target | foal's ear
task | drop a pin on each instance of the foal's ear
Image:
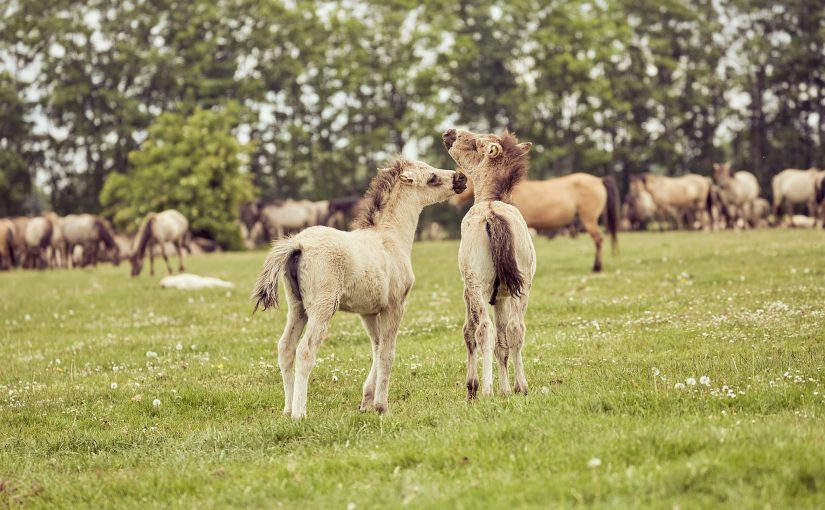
(525, 147)
(493, 150)
(406, 177)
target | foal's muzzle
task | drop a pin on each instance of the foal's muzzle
(459, 182)
(448, 138)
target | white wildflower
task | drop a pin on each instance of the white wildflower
(704, 380)
(679, 386)
(691, 381)
(656, 372)
(156, 402)
(179, 347)
(545, 390)
(594, 462)
(151, 354)
(113, 385)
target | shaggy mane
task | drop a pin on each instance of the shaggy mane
(376, 196)
(512, 167)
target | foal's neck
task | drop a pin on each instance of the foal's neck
(399, 221)
(484, 182)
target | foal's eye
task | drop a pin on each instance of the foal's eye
(434, 180)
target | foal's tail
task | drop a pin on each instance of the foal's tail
(504, 256)
(612, 213)
(283, 257)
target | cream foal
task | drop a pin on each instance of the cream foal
(367, 271)
(496, 256)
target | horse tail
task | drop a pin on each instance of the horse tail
(504, 256)
(46, 239)
(820, 191)
(10, 245)
(612, 213)
(144, 234)
(283, 258)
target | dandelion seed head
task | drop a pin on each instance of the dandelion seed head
(156, 402)
(594, 462)
(704, 380)
(691, 381)
(679, 386)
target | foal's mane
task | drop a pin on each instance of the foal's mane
(144, 234)
(511, 168)
(378, 193)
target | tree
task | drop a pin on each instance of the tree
(189, 163)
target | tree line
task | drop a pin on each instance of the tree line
(320, 93)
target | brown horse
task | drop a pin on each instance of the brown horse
(89, 231)
(168, 226)
(7, 234)
(556, 203)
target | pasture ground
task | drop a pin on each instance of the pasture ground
(83, 355)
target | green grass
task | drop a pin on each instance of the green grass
(745, 309)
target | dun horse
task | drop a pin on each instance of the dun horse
(690, 194)
(7, 234)
(168, 226)
(556, 203)
(43, 239)
(738, 192)
(367, 271)
(496, 256)
(792, 187)
(89, 231)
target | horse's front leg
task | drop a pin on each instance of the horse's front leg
(179, 249)
(388, 322)
(165, 258)
(371, 325)
(151, 259)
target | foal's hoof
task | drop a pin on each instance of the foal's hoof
(521, 389)
(472, 389)
(381, 408)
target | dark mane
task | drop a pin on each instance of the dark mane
(144, 235)
(512, 167)
(375, 199)
(104, 232)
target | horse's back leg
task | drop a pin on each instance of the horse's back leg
(592, 227)
(368, 391)
(318, 319)
(179, 249)
(516, 332)
(151, 248)
(296, 320)
(503, 312)
(478, 334)
(165, 257)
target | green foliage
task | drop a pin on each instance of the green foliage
(744, 309)
(15, 180)
(189, 163)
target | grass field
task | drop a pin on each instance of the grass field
(84, 354)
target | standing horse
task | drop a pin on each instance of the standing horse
(791, 187)
(89, 231)
(555, 203)
(7, 235)
(168, 226)
(20, 223)
(496, 256)
(689, 194)
(40, 240)
(367, 271)
(641, 208)
(737, 193)
(290, 217)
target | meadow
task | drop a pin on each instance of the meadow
(688, 375)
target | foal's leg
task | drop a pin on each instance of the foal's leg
(371, 325)
(151, 258)
(503, 312)
(592, 227)
(516, 332)
(295, 321)
(318, 320)
(388, 322)
(470, 324)
(179, 249)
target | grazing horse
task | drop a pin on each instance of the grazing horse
(290, 217)
(89, 231)
(40, 236)
(367, 271)
(168, 226)
(737, 193)
(641, 208)
(556, 203)
(792, 187)
(7, 235)
(689, 193)
(496, 256)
